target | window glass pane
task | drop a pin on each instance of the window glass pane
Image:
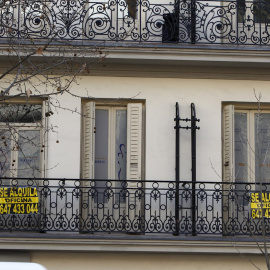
(29, 153)
(101, 144)
(262, 145)
(101, 151)
(20, 113)
(240, 146)
(241, 11)
(257, 11)
(120, 145)
(5, 152)
(120, 152)
(261, 11)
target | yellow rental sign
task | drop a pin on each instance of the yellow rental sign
(19, 200)
(260, 205)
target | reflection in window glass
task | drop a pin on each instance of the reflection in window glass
(241, 11)
(120, 153)
(101, 152)
(257, 11)
(240, 146)
(121, 144)
(20, 140)
(261, 11)
(110, 158)
(241, 155)
(5, 152)
(262, 145)
(20, 113)
(28, 153)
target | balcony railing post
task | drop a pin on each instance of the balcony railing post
(193, 21)
(19, 16)
(193, 164)
(177, 167)
(193, 129)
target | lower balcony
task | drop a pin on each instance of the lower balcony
(140, 208)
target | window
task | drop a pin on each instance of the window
(111, 156)
(253, 12)
(246, 142)
(253, 18)
(22, 143)
(246, 159)
(112, 141)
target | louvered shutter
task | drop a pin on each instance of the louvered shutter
(134, 166)
(228, 168)
(88, 159)
(134, 141)
(228, 144)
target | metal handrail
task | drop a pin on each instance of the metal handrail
(205, 22)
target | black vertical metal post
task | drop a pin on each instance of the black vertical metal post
(193, 128)
(193, 165)
(193, 21)
(177, 167)
(177, 10)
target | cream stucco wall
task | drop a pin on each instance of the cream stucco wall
(160, 95)
(119, 261)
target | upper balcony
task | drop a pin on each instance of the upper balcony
(153, 23)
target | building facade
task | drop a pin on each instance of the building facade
(155, 157)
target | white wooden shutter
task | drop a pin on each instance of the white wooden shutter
(228, 144)
(134, 141)
(228, 167)
(88, 159)
(134, 166)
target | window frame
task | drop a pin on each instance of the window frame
(251, 109)
(115, 103)
(41, 125)
(111, 136)
(13, 170)
(135, 161)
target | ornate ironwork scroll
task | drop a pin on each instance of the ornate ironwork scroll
(238, 22)
(68, 205)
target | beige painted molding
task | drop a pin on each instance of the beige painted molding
(152, 52)
(183, 72)
(175, 71)
(188, 54)
(190, 62)
(167, 55)
(117, 245)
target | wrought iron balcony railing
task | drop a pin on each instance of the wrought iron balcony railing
(226, 22)
(89, 206)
